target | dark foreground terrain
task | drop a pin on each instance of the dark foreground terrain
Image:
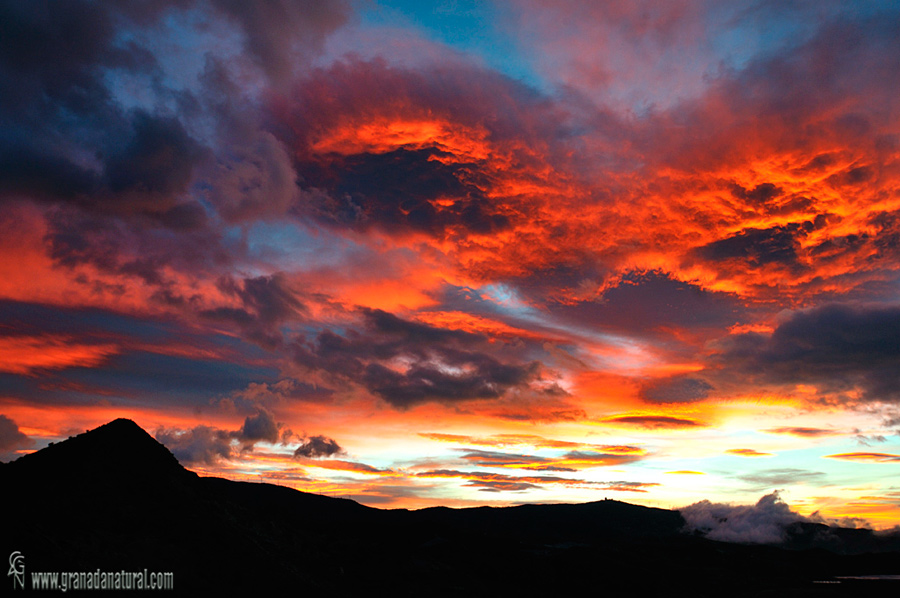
(114, 498)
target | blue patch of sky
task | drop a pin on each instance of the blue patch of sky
(291, 246)
(469, 26)
(767, 29)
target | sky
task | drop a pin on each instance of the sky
(462, 253)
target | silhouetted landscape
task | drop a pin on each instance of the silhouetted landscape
(114, 498)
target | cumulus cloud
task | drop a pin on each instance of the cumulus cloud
(259, 427)
(762, 523)
(318, 446)
(203, 445)
(206, 445)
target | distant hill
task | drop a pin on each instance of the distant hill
(114, 498)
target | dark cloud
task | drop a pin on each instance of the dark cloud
(65, 137)
(396, 191)
(266, 302)
(759, 247)
(649, 301)
(675, 389)
(439, 364)
(318, 446)
(759, 194)
(11, 439)
(259, 427)
(473, 376)
(767, 479)
(804, 432)
(836, 348)
(157, 161)
(73, 134)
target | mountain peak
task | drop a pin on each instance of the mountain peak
(120, 448)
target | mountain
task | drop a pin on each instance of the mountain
(115, 499)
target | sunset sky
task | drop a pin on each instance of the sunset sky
(462, 253)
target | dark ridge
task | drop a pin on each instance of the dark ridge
(803, 535)
(115, 499)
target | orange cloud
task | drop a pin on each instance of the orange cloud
(867, 457)
(570, 461)
(654, 422)
(745, 452)
(351, 466)
(30, 355)
(501, 482)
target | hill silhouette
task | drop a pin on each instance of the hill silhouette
(114, 498)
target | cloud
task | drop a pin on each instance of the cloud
(496, 482)
(745, 452)
(407, 363)
(207, 445)
(498, 459)
(278, 34)
(570, 461)
(867, 457)
(804, 432)
(836, 347)
(762, 523)
(351, 466)
(502, 440)
(11, 438)
(318, 446)
(675, 389)
(265, 303)
(758, 247)
(31, 355)
(202, 445)
(447, 151)
(772, 478)
(259, 427)
(654, 422)
(255, 181)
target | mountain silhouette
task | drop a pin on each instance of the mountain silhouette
(115, 499)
